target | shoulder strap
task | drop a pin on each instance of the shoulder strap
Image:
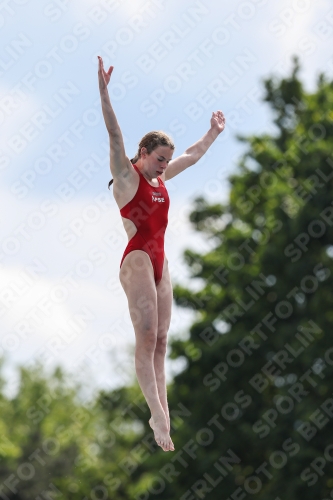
(136, 168)
(160, 181)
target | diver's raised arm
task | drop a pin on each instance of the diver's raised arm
(119, 163)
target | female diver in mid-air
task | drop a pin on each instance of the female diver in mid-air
(140, 192)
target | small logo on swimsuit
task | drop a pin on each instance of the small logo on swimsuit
(154, 198)
(156, 194)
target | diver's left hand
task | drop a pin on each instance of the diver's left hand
(217, 121)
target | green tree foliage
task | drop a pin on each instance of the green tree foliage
(251, 412)
(263, 383)
(54, 445)
(258, 376)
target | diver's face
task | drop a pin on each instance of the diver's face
(157, 161)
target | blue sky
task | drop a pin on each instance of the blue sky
(62, 237)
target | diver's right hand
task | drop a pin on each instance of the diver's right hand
(103, 76)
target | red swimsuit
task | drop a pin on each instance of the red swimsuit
(149, 212)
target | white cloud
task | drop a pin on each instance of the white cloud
(290, 30)
(88, 284)
(103, 10)
(16, 108)
(100, 290)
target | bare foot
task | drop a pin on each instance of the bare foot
(161, 434)
(168, 422)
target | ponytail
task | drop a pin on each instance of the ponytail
(133, 161)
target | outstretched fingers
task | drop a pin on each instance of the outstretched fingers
(218, 120)
(219, 115)
(100, 63)
(105, 75)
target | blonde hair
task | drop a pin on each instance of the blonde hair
(151, 141)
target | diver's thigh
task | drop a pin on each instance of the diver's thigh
(135, 264)
(164, 301)
(137, 279)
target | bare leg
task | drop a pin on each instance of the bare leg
(162, 392)
(145, 369)
(136, 276)
(159, 359)
(164, 306)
